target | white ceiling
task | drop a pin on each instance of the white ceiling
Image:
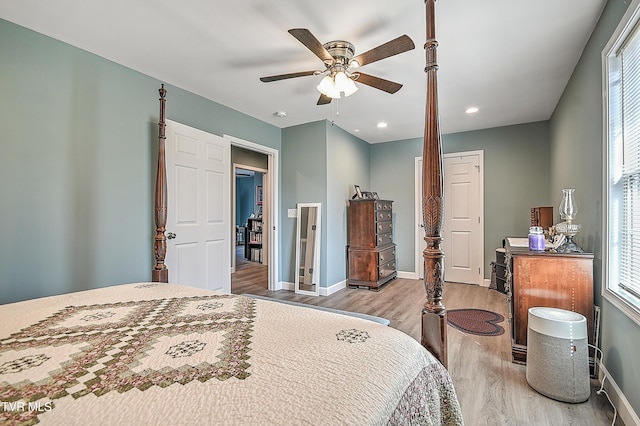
(512, 59)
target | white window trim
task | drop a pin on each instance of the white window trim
(625, 302)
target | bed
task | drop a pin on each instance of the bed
(152, 353)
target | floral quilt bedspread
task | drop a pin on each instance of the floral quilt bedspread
(149, 353)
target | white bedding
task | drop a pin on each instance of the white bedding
(150, 353)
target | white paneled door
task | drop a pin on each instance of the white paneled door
(462, 232)
(198, 222)
(462, 227)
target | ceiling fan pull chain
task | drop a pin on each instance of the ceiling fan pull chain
(334, 111)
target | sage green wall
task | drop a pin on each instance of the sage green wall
(320, 163)
(304, 180)
(516, 178)
(392, 176)
(577, 144)
(347, 165)
(78, 164)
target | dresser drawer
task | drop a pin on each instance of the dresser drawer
(383, 215)
(386, 255)
(386, 269)
(384, 228)
(384, 239)
(382, 205)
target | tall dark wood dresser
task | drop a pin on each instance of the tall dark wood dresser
(371, 253)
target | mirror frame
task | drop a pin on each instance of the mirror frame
(316, 249)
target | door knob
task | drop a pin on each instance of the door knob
(170, 235)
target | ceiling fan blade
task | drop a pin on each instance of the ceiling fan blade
(323, 100)
(378, 83)
(285, 76)
(305, 37)
(394, 47)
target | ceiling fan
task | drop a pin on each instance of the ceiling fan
(340, 65)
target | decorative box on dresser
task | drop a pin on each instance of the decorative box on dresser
(557, 280)
(372, 253)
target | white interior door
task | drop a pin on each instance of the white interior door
(462, 220)
(198, 169)
(463, 232)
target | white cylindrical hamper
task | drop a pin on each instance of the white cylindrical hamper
(557, 354)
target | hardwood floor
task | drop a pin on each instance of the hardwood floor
(491, 389)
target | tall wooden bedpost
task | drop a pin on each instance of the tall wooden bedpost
(160, 272)
(434, 314)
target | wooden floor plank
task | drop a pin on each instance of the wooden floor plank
(491, 389)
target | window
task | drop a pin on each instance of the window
(621, 60)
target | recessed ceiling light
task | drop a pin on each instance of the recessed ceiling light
(356, 130)
(382, 125)
(472, 110)
(280, 114)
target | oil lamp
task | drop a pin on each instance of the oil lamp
(568, 211)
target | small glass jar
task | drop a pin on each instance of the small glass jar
(536, 238)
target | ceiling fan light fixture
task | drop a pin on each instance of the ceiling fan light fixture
(344, 84)
(328, 87)
(351, 88)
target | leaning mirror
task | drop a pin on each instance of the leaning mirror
(307, 274)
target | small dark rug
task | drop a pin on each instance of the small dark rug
(476, 321)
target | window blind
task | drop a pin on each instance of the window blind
(629, 215)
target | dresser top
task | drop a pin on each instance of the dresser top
(370, 200)
(519, 250)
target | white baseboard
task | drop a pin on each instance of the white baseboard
(625, 410)
(328, 291)
(287, 286)
(408, 275)
(324, 291)
(486, 283)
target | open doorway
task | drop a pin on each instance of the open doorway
(250, 218)
(252, 213)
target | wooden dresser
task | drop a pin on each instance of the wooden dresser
(557, 280)
(371, 253)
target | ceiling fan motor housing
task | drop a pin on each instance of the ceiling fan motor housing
(342, 51)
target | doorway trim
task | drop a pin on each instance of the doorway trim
(271, 193)
(418, 211)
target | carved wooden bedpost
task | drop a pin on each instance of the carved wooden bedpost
(434, 314)
(160, 272)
